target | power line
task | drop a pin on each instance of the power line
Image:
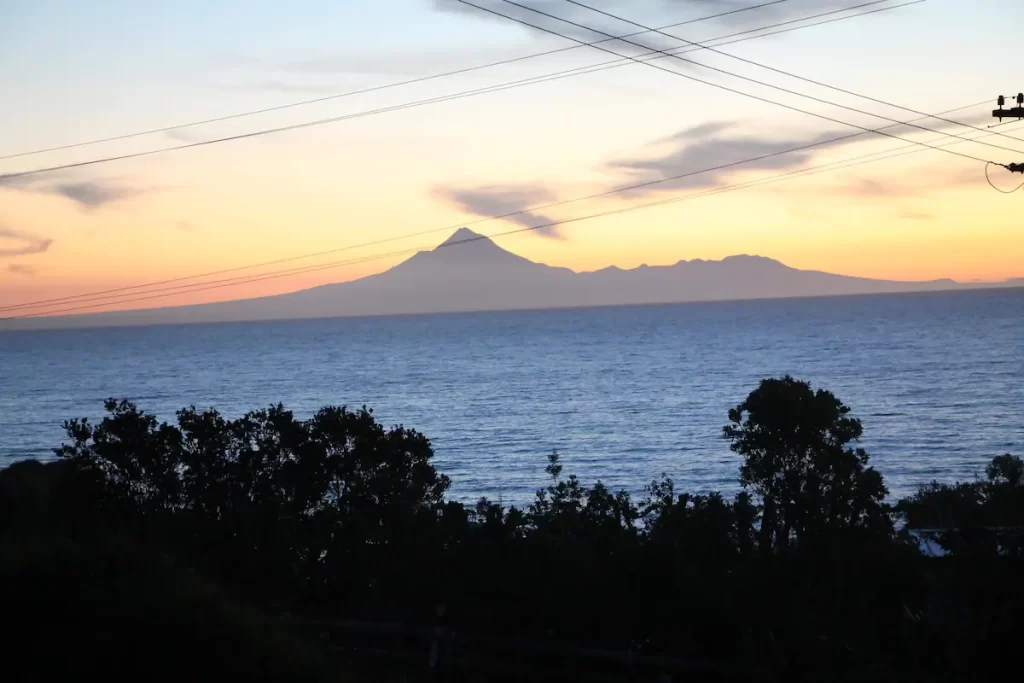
(996, 187)
(115, 292)
(621, 61)
(865, 159)
(556, 76)
(363, 91)
(788, 91)
(782, 71)
(308, 269)
(320, 267)
(86, 296)
(814, 170)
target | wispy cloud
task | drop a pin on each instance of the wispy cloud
(394, 61)
(712, 144)
(321, 73)
(499, 200)
(553, 7)
(917, 216)
(185, 135)
(965, 125)
(24, 243)
(691, 150)
(871, 187)
(909, 185)
(92, 194)
(400, 62)
(634, 9)
(87, 194)
(21, 269)
(16, 182)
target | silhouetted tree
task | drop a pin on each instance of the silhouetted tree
(337, 516)
(270, 500)
(794, 444)
(977, 518)
(1005, 470)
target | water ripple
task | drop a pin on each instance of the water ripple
(624, 394)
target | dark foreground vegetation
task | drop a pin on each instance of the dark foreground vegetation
(157, 551)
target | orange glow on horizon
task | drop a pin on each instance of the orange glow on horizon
(199, 219)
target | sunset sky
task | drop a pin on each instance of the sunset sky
(73, 71)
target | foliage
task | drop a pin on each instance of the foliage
(980, 517)
(794, 444)
(266, 498)
(337, 516)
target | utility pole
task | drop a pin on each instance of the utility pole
(1014, 112)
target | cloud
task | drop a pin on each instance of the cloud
(966, 177)
(701, 130)
(21, 269)
(707, 145)
(555, 7)
(980, 119)
(183, 134)
(957, 124)
(87, 194)
(917, 216)
(499, 200)
(395, 61)
(710, 145)
(635, 10)
(16, 182)
(24, 243)
(910, 185)
(91, 193)
(400, 62)
(869, 187)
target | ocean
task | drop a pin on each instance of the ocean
(624, 394)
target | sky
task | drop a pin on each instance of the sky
(73, 72)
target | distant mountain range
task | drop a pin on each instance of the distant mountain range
(469, 272)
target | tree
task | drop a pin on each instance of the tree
(1006, 470)
(568, 510)
(266, 499)
(977, 517)
(794, 443)
(131, 459)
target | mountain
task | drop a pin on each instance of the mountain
(469, 272)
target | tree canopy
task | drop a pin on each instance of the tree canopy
(794, 442)
(337, 516)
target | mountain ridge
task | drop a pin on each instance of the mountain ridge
(480, 275)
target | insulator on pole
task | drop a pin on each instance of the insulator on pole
(1013, 113)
